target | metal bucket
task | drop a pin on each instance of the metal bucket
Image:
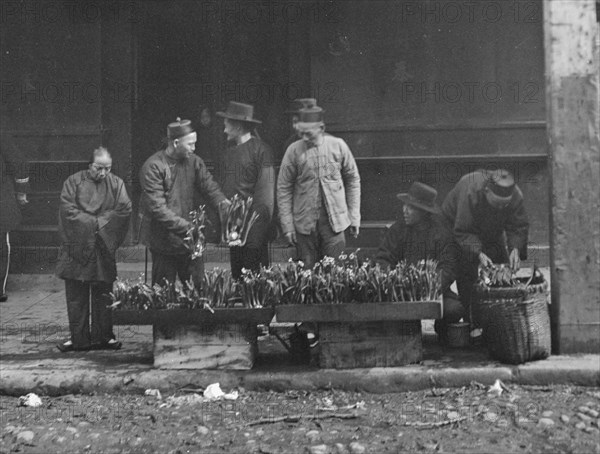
(458, 334)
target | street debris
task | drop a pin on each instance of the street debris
(30, 400)
(464, 419)
(214, 392)
(153, 392)
(25, 437)
(545, 422)
(203, 430)
(318, 449)
(298, 417)
(357, 448)
(178, 401)
(497, 388)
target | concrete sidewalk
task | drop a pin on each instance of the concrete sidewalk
(34, 320)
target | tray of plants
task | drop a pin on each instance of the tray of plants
(220, 299)
(345, 291)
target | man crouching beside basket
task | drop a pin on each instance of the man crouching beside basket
(421, 235)
(487, 214)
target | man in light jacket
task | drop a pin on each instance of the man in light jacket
(318, 191)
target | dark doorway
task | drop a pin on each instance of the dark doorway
(191, 56)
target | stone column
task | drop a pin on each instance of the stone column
(572, 67)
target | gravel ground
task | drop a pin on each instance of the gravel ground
(467, 420)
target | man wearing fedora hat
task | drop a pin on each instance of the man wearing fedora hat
(318, 191)
(248, 172)
(168, 179)
(421, 235)
(487, 214)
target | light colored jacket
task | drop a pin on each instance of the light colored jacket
(330, 166)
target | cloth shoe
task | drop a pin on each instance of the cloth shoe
(69, 347)
(112, 344)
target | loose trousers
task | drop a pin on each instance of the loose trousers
(255, 253)
(170, 267)
(4, 259)
(79, 296)
(321, 242)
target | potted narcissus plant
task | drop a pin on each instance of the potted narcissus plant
(346, 290)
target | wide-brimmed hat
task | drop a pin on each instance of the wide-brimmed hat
(240, 112)
(301, 103)
(179, 128)
(501, 184)
(421, 196)
(310, 117)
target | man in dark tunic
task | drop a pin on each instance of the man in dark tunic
(487, 214)
(14, 185)
(168, 179)
(248, 172)
(422, 234)
(93, 220)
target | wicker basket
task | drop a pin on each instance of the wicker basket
(515, 322)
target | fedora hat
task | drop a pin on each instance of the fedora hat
(421, 196)
(301, 103)
(240, 112)
(179, 128)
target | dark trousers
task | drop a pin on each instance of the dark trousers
(321, 242)
(453, 312)
(255, 253)
(4, 259)
(249, 257)
(78, 307)
(169, 267)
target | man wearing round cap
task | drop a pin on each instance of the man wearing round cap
(487, 214)
(422, 235)
(294, 112)
(168, 179)
(248, 172)
(318, 191)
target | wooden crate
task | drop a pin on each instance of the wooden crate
(230, 346)
(369, 344)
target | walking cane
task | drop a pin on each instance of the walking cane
(145, 265)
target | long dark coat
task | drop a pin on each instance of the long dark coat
(168, 197)
(15, 178)
(478, 227)
(93, 221)
(429, 240)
